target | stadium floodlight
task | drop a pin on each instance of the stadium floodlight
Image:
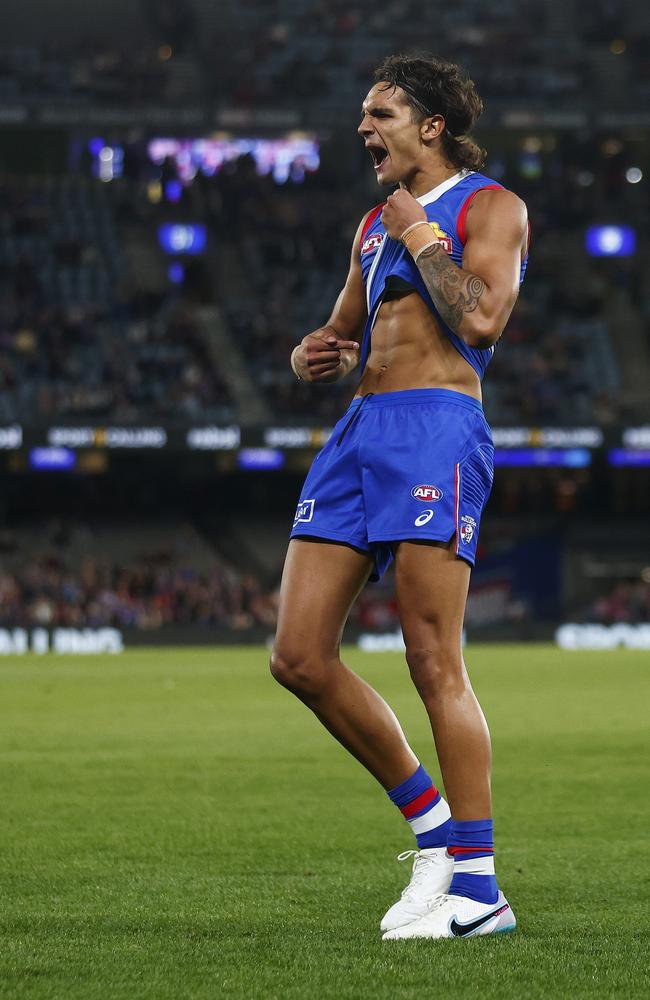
(633, 175)
(182, 238)
(610, 241)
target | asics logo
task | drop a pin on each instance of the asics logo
(464, 930)
(423, 518)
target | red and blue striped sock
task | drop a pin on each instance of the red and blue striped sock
(471, 845)
(423, 806)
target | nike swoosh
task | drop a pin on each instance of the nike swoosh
(462, 930)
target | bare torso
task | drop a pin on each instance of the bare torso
(410, 351)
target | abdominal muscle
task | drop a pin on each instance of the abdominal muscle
(411, 351)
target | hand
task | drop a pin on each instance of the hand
(320, 355)
(401, 211)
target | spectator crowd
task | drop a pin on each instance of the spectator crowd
(144, 595)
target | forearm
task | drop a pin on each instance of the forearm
(461, 298)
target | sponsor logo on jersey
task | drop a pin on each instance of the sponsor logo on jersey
(424, 518)
(304, 511)
(426, 493)
(442, 236)
(372, 242)
(467, 528)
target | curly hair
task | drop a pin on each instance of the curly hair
(435, 87)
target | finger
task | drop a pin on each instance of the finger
(323, 370)
(347, 345)
(323, 357)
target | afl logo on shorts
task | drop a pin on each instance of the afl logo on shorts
(427, 494)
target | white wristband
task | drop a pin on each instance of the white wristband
(414, 225)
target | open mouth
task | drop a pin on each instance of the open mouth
(379, 154)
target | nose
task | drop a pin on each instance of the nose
(366, 127)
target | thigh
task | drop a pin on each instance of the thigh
(320, 582)
(432, 585)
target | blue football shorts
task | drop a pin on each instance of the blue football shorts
(416, 464)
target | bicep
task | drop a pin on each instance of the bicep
(496, 233)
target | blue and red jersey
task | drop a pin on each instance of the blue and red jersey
(382, 257)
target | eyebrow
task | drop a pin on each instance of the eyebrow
(373, 108)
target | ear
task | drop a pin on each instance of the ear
(431, 128)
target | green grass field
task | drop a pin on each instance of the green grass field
(175, 825)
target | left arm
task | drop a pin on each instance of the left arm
(475, 300)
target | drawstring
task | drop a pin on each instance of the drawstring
(353, 417)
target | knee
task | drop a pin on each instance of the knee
(437, 669)
(299, 672)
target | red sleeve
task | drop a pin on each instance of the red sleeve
(372, 215)
(462, 215)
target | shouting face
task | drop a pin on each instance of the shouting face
(394, 138)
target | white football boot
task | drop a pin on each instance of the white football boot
(430, 878)
(457, 916)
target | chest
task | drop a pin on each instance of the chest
(380, 252)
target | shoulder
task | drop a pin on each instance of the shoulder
(490, 206)
(489, 200)
(368, 220)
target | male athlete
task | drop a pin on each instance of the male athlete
(434, 274)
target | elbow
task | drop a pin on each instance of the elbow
(483, 332)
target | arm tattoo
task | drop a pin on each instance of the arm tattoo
(454, 291)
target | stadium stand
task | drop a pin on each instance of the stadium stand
(78, 339)
(61, 574)
(81, 255)
(93, 326)
(526, 54)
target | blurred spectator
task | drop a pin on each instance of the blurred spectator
(628, 601)
(146, 595)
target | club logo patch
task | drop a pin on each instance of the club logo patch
(441, 236)
(372, 242)
(426, 493)
(424, 518)
(304, 511)
(467, 528)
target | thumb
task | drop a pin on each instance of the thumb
(347, 345)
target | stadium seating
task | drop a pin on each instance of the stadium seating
(78, 338)
(129, 575)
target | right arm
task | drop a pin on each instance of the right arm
(331, 352)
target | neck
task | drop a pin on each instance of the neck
(424, 179)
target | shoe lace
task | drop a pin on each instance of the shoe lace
(421, 865)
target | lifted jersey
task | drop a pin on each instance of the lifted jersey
(382, 257)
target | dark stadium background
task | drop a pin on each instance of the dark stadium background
(174, 824)
(153, 439)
